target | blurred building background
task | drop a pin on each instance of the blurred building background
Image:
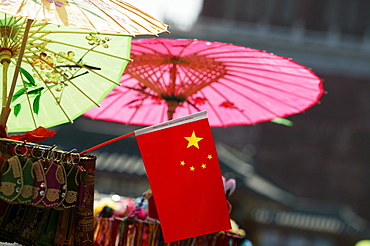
(305, 185)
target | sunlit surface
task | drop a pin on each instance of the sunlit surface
(182, 14)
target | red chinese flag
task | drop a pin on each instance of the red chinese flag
(181, 162)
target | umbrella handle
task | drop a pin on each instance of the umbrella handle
(5, 112)
(5, 79)
(6, 109)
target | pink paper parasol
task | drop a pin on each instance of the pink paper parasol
(236, 85)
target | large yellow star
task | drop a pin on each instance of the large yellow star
(193, 140)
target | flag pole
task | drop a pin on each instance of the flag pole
(107, 142)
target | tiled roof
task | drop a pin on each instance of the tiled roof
(116, 162)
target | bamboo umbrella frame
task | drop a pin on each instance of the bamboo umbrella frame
(10, 49)
(199, 74)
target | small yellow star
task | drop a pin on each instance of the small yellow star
(204, 166)
(182, 163)
(209, 156)
(192, 168)
(193, 140)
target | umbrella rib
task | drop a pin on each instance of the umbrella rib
(159, 72)
(13, 42)
(88, 19)
(140, 91)
(83, 93)
(237, 55)
(189, 106)
(136, 111)
(137, 23)
(147, 80)
(147, 73)
(240, 111)
(85, 32)
(155, 51)
(87, 49)
(244, 96)
(51, 92)
(30, 35)
(81, 66)
(136, 107)
(243, 54)
(289, 63)
(196, 72)
(186, 75)
(297, 67)
(141, 53)
(189, 74)
(274, 71)
(164, 46)
(28, 101)
(219, 45)
(264, 85)
(123, 27)
(140, 12)
(198, 68)
(293, 64)
(239, 49)
(131, 19)
(161, 79)
(164, 116)
(185, 46)
(39, 27)
(260, 92)
(201, 86)
(300, 85)
(140, 80)
(214, 110)
(146, 83)
(108, 106)
(68, 79)
(270, 56)
(190, 77)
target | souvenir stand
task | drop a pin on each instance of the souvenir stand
(134, 231)
(46, 195)
(47, 198)
(141, 226)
